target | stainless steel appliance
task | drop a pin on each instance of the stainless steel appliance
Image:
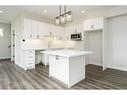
(76, 37)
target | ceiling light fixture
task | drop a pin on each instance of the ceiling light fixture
(64, 17)
(82, 12)
(45, 11)
(1, 11)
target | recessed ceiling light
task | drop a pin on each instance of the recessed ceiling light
(45, 11)
(82, 12)
(1, 11)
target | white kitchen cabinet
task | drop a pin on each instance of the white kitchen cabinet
(27, 33)
(93, 24)
(68, 32)
(59, 33)
(30, 29)
(28, 59)
(37, 30)
(34, 29)
(71, 30)
(45, 59)
(52, 30)
(43, 29)
(67, 66)
(60, 68)
(67, 70)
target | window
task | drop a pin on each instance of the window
(1, 32)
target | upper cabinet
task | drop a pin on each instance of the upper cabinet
(71, 30)
(37, 30)
(59, 33)
(34, 29)
(93, 24)
(30, 29)
(27, 33)
(43, 29)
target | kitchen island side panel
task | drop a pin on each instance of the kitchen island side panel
(76, 69)
(59, 68)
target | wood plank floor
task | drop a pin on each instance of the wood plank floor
(13, 77)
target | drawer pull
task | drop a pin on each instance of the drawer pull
(30, 51)
(30, 63)
(31, 57)
(92, 26)
(30, 35)
(57, 57)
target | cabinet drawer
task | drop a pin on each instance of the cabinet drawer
(30, 67)
(30, 52)
(29, 57)
(29, 63)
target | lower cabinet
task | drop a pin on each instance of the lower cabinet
(58, 68)
(68, 70)
(28, 59)
(45, 59)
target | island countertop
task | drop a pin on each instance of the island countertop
(66, 52)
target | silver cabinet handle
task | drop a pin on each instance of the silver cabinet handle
(30, 63)
(60, 38)
(67, 38)
(30, 56)
(50, 34)
(30, 35)
(92, 26)
(37, 36)
(57, 57)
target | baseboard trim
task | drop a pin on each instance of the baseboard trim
(118, 67)
(5, 59)
(94, 64)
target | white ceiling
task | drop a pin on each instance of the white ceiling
(10, 12)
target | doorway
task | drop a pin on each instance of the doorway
(94, 42)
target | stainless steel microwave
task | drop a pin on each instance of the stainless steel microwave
(76, 37)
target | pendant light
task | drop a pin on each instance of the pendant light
(69, 17)
(57, 22)
(63, 18)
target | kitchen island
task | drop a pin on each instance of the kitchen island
(67, 66)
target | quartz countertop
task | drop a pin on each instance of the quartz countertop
(66, 52)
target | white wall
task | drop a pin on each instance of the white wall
(117, 42)
(5, 40)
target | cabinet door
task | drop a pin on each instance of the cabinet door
(45, 59)
(59, 68)
(34, 29)
(88, 25)
(52, 30)
(29, 59)
(68, 31)
(93, 24)
(59, 33)
(98, 23)
(27, 34)
(43, 29)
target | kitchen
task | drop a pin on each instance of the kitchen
(32, 41)
(64, 52)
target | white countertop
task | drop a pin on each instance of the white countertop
(66, 52)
